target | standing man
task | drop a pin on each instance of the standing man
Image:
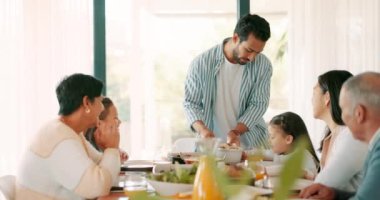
(360, 103)
(227, 88)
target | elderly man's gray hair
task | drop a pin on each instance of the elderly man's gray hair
(364, 89)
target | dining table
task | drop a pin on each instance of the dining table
(122, 194)
(115, 196)
(133, 174)
(141, 168)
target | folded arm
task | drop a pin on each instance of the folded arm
(74, 170)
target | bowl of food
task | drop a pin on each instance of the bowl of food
(184, 157)
(166, 167)
(173, 182)
(238, 174)
(230, 154)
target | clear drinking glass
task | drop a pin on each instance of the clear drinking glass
(255, 163)
(135, 182)
(207, 146)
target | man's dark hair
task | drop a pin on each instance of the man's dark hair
(254, 24)
(71, 90)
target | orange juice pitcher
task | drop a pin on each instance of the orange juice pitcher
(205, 185)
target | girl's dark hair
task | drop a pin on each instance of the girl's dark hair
(292, 124)
(332, 82)
(89, 135)
(107, 103)
(71, 90)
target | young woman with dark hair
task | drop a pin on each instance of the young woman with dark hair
(342, 156)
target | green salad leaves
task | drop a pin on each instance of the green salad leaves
(178, 175)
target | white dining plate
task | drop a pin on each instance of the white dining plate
(137, 165)
(137, 162)
(299, 185)
(302, 183)
(249, 192)
(169, 189)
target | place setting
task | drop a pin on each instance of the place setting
(178, 176)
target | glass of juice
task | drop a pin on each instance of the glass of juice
(135, 183)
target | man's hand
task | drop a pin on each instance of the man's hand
(201, 128)
(317, 191)
(206, 133)
(233, 137)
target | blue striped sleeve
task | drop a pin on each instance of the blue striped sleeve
(193, 94)
(260, 92)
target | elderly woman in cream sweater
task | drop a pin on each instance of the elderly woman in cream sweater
(60, 163)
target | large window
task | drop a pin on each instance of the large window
(149, 48)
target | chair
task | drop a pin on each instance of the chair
(184, 145)
(7, 186)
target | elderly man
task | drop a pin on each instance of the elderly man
(360, 103)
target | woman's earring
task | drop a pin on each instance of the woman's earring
(87, 110)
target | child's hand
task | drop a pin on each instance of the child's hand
(109, 133)
(123, 156)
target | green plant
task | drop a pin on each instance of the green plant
(224, 182)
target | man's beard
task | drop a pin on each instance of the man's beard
(235, 57)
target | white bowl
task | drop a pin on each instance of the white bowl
(159, 168)
(170, 189)
(230, 155)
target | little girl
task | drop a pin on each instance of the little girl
(284, 131)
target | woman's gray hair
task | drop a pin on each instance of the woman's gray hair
(364, 89)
